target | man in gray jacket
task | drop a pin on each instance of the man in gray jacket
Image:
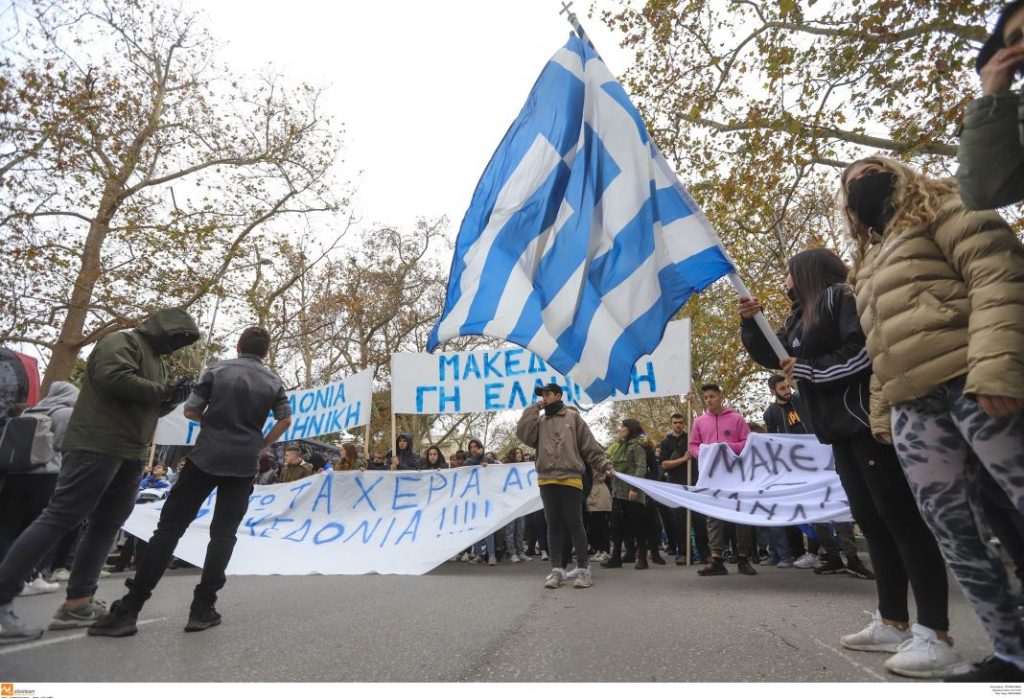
(565, 448)
(991, 153)
(24, 495)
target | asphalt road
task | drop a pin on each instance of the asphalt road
(478, 624)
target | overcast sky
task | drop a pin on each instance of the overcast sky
(426, 90)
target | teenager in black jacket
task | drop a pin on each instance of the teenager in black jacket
(827, 356)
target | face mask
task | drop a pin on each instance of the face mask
(870, 198)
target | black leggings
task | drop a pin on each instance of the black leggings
(902, 547)
(563, 509)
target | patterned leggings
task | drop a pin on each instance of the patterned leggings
(935, 437)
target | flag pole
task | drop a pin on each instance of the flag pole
(689, 477)
(737, 283)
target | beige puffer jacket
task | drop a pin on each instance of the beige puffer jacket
(941, 301)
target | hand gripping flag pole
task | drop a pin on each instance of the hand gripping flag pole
(737, 283)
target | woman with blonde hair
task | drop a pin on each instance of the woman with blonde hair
(940, 296)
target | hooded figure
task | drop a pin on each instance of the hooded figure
(408, 460)
(125, 388)
(58, 404)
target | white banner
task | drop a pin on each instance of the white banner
(336, 407)
(777, 481)
(402, 522)
(492, 380)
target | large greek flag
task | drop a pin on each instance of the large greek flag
(580, 242)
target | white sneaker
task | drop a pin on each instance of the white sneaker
(453, 559)
(492, 561)
(515, 559)
(544, 556)
(876, 636)
(38, 587)
(808, 560)
(60, 575)
(524, 557)
(464, 557)
(572, 574)
(584, 580)
(555, 579)
(924, 655)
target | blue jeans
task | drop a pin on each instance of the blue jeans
(478, 547)
(780, 542)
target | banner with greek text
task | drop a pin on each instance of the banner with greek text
(336, 407)
(349, 522)
(504, 379)
(777, 480)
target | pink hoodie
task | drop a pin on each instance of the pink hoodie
(728, 427)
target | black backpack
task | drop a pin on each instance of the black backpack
(26, 442)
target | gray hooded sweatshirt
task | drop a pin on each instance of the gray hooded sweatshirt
(58, 404)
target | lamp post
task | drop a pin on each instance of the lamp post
(263, 261)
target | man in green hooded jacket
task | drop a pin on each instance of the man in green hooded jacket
(124, 392)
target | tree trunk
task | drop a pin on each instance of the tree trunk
(69, 342)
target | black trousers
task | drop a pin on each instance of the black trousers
(902, 547)
(629, 523)
(597, 531)
(187, 496)
(563, 509)
(1005, 520)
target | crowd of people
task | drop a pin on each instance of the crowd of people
(909, 364)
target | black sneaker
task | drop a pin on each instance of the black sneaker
(119, 621)
(715, 567)
(641, 563)
(656, 558)
(612, 563)
(830, 567)
(991, 669)
(858, 570)
(745, 568)
(200, 621)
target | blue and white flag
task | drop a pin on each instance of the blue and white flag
(580, 242)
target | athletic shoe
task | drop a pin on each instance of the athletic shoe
(464, 557)
(785, 563)
(926, 656)
(572, 574)
(38, 587)
(492, 561)
(13, 629)
(524, 557)
(544, 556)
(453, 559)
(656, 558)
(612, 562)
(808, 560)
(200, 621)
(476, 560)
(731, 558)
(60, 575)
(641, 563)
(680, 560)
(745, 568)
(515, 559)
(715, 567)
(830, 567)
(604, 556)
(876, 636)
(584, 580)
(555, 579)
(857, 569)
(104, 573)
(991, 670)
(79, 617)
(119, 621)
(769, 561)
